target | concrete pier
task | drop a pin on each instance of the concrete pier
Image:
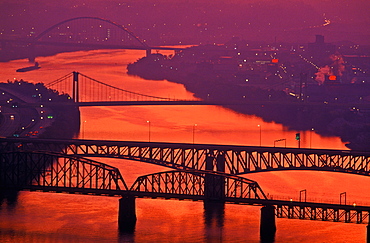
(127, 214)
(215, 184)
(267, 226)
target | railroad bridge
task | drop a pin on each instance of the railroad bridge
(209, 173)
(235, 160)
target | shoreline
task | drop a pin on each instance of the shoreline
(350, 125)
(45, 121)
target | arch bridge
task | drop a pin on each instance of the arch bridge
(85, 33)
(90, 32)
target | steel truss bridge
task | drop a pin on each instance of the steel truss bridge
(61, 173)
(234, 160)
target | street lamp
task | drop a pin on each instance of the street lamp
(312, 129)
(194, 131)
(260, 134)
(343, 198)
(302, 195)
(148, 130)
(83, 130)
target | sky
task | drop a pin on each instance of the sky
(201, 21)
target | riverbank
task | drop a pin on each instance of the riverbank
(351, 125)
(46, 121)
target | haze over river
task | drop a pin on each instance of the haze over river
(48, 217)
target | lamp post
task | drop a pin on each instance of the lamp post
(312, 129)
(148, 130)
(194, 131)
(343, 198)
(260, 134)
(302, 195)
(83, 130)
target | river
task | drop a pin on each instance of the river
(47, 217)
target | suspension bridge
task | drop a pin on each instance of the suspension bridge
(87, 91)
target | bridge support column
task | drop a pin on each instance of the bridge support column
(148, 52)
(214, 185)
(214, 217)
(368, 233)
(127, 214)
(220, 162)
(267, 226)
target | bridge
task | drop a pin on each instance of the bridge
(85, 33)
(200, 172)
(86, 91)
(235, 160)
(56, 172)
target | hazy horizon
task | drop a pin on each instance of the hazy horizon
(186, 21)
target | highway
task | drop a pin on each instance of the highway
(18, 120)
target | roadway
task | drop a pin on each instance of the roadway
(19, 120)
(206, 102)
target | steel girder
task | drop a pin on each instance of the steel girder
(232, 159)
(335, 213)
(198, 185)
(52, 171)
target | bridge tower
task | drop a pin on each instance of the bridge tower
(75, 87)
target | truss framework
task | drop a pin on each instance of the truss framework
(31, 170)
(55, 172)
(198, 184)
(228, 159)
(324, 213)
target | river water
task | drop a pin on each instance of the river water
(47, 217)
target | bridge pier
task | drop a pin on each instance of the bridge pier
(214, 185)
(368, 233)
(267, 225)
(148, 52)
(220, 162)
(214, 218)
(127, 214)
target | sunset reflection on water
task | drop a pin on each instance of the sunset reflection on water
(45, 217)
